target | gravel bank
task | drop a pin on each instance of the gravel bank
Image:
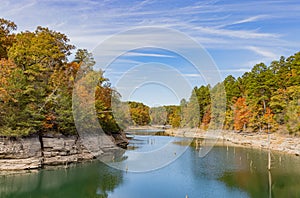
(282, 143)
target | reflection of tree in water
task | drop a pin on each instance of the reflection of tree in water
(84, 180)
(109, 179)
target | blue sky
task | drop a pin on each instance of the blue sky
(237, 34)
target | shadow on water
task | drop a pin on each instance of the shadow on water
(86, 180)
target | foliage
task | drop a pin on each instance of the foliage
(190, 112)
(139, 113)
(173, 115)
(241, 114)
(36, 83)
(6, 36)
(158, 116)
(260, 100)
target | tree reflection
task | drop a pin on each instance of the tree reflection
(85, 180)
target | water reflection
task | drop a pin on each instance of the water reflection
(86, 180)
(253, 177)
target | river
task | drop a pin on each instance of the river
(224, 172)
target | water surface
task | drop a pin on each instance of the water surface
(224, 172)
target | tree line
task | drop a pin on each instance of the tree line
(37, 81)
(267, 98)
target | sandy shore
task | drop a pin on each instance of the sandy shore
(282, 143)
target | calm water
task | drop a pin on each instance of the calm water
(232, 172)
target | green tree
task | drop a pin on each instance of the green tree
(191, 112)
(203, 96)
(232, 90)
(292, 115)
(158, 115)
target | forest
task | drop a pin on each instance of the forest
(37, 81)
(267, 98)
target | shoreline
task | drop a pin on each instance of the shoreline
(25, 155)
(279, 143)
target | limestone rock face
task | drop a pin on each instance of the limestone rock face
(20, 154)
(63, 151)
(33, 153)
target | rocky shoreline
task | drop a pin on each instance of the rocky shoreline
(29, 153)
(278, 142)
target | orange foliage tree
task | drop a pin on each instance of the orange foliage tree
(206, 118)
(269, 119)
(241, 114)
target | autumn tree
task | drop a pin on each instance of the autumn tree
(174, 114)
(206, 119)
(269, 121)
(7, 38)
(30, 52)
(103, 102)
(139, 113)
(241, 114)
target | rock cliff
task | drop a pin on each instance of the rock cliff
(34, 152)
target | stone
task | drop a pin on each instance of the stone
(27, 153)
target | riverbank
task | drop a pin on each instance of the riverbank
(28, 153)
(281, 143)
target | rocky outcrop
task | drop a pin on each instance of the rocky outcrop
(63, 151)
(20, 154)
(34, 152)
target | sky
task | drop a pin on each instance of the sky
(235, 35)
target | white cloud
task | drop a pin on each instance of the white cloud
(251, 19)
(148, 55)
(263, 52)
(192, 75)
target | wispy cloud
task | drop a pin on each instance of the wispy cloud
(136, 54)
(250, 19)
(16, 7)
(192, 75)
(263, 52)
(245, 20)
(218, 25)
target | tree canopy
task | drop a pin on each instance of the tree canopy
(267, 98)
